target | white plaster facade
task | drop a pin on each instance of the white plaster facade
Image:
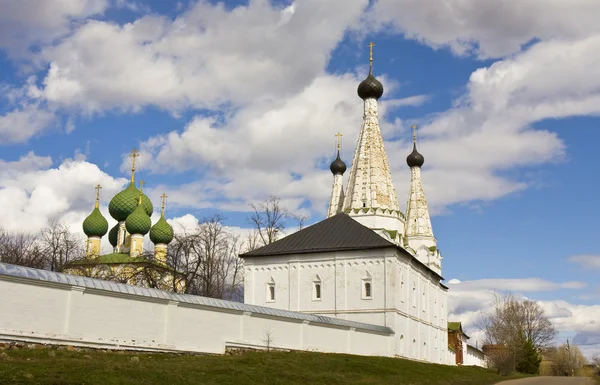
(403, 295)
(69, 310)
(474, 357)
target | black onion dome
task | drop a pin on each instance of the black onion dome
(415, 159)
(370, 88)
(338, 166)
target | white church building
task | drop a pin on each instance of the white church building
(366, 280)
(368, 261)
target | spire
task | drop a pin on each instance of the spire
(133, 155)
(418, 223)
(370, 184)
(337, 167)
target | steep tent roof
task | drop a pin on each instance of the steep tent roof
(337, 233)
(457, 327)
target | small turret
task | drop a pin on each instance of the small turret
(161, 234)
(95, 227)
(337, 167)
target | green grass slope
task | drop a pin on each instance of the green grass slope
(109, 368)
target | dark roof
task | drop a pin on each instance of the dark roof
(336, 233)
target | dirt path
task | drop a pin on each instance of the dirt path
(550, 381)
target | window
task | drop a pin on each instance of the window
(316, 288)
(367, 290)
(271, 290)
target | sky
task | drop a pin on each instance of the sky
(231, 102)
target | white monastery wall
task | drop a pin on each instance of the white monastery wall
(474, 357)
(405, 295)
(48, 307)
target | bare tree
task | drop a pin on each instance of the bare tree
(208, 257)
(270, 219)
(565, 358)
(268, 338)
(511, 324)
(22, 249)
(59, 245)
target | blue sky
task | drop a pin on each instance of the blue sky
(233, 102)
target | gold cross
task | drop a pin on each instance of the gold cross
(134, 154)
(98, 187)
(414, 127)
(163, 199)
(339, 140)
(142, 184)
(371, 45)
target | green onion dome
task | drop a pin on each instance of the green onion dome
(138, 222)
(113, 235)
(124, 203)
(95, 225)
(161, 232)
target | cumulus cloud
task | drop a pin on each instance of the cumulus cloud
(29, 22)
(22, 123)
(488, 29)
(207, 57)
(468, 300)
(32, 192)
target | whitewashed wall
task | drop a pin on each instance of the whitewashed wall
(475, 357)
(406, 296)
(69, 310)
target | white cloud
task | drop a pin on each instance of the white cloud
(588, 261)
(207, 57)
(488, 28)
(469, 299)
(28, 22)
(22, 123)
(516, 284)
(32, 192)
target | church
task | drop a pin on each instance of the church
(366, 280)
(128, 262)
(369, 261)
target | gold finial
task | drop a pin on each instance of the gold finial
(371, 45)
(140, 199)
(134, 154)
(163, 199)
(339, 140)
(98, 187)
(414, 127)
(142, 184)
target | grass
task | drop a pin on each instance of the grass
(109, 368)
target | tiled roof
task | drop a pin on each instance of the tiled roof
(336, 233)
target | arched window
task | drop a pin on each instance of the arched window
(367, 289)
(316, 288)
(271, 290)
